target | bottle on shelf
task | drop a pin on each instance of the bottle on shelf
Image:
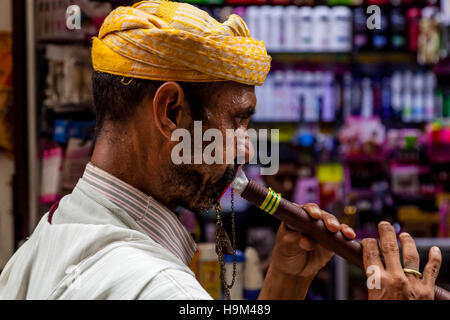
(360, 34)
(398, 29)
(380, 37)
(321, 28)
(396, 96)
(418, 103)
(407, 96)
(341, 29)
(367, 98)
(413, 15)
(305, 32)
(429, 96)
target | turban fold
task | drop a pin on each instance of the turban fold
(170, 41)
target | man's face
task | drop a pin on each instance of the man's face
(284, 181)
(198, 186)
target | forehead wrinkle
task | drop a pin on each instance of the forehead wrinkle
(244, 99)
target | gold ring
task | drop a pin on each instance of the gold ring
(414, 272)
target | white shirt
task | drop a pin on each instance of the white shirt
(93, 249)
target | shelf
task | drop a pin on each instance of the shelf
(66, 41)
(317, 57)
(345, 57)
(419, 3)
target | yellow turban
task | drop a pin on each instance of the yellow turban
(163, 40)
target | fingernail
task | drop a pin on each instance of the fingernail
(404, 234)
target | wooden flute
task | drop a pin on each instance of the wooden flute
(298, 219)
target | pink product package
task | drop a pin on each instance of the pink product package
(307, 191)
(51, 175)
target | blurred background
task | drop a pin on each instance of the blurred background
(359, 91)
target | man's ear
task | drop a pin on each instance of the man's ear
(168, 107)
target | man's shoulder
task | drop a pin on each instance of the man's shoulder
(135, 272)
(165, 276)
(174, 284)
(139, 254)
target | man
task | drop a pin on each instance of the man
(159, 66)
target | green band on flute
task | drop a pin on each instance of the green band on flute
(272, 201)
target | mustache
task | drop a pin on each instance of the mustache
(226, 180)
(230, 174)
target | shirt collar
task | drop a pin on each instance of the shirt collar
(160, 224)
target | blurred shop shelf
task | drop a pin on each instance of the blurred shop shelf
(345, 57)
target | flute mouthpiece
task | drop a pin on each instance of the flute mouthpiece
(240, 182)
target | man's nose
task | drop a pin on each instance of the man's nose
(245, 148)
(249, 151)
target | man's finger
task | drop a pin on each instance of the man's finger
(410, 254)
(431, 270)
(313, 210)
(331, 222)
(307, 244)
(289, 239)
(371, 253)
(389, 247)
(348, 232)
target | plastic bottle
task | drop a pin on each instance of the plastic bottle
(396, 95)
(253, 278)
(237, 291)
(277, 17)
(279, 96)
(386, 107)
(264, 24)
(380, 38)
(341, 29)
(305, 31)
(328, 98)
(310, 112)
(429, 96)
(259, 105)
(367, 98)
(398, 29)
(356, 97)
(360, 34)
(252, 19)
(291, 103)
(418, 107)
(347, 96)
(291, 27)
(209, 269)
(269, 98)
(299, 96)
(407, 97)
(321, 28)
(413, 28)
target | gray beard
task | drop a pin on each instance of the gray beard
(185, 187)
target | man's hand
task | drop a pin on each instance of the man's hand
(298, 255)
(296, 258)
(395, 284)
